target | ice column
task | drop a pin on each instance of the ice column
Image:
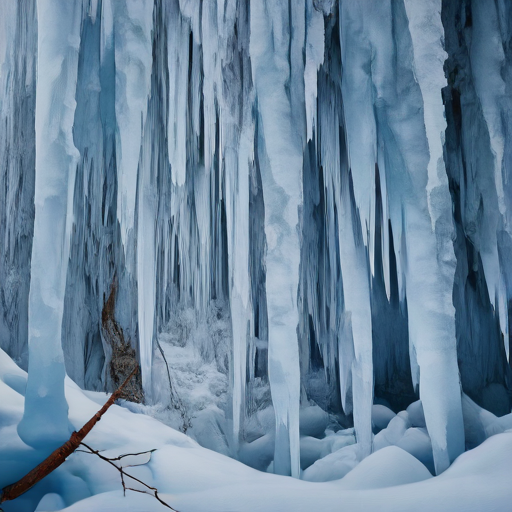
(281, 170)
(356, 293)
(146, 272)
(153, 164)
(45, 422)
(430, 275)
(353, 235)
(237, 213)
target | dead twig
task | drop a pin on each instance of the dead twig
(153, 491)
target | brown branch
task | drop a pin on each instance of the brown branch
(53, 461)
(123, 474)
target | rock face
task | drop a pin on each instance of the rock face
(301, 203)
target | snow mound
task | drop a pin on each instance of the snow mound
(386, 468)
(381, 416)
(334, 466)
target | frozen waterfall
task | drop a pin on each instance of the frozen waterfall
(300, 212)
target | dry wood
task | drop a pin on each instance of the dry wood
(52, 462)
(123, 355)
(152, 491)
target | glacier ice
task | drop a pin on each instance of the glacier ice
(301, 206)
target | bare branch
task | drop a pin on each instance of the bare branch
(123, 473)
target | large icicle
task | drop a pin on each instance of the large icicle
(45, 418)
(153, 163)
(237, 213)
(281, 166)
(133, 22)
(178, 62)
(237, 143)
(431, 311)
(361, 142)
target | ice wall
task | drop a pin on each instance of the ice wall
(477, 155)
(18, 51)
(95, 248)
(406, 143)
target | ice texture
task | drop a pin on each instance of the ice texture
(472, 160)
(418, 191)
(281, 163)
(18, 52)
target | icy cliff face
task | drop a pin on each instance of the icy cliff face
(18, 52)
(298, 203)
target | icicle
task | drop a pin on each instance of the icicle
(133, 22)
(178, 57)
(237, 194)
(44, 422)
(281, 179)
(436, 350)
(314, 58)
(356, 216)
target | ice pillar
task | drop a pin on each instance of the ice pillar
(45, 420)
(281, 171)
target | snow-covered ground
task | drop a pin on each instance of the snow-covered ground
(192, 478)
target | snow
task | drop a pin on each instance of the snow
(416, 415)
(335, 465)
(388, 467)
(381, 416)
(480, 424)
(50, 502)
(189, 476)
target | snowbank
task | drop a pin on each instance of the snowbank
(192, 478)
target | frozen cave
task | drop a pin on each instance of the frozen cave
(295, 216)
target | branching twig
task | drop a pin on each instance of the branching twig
(175, 399)
(124, 474)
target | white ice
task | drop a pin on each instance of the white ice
(45, 416)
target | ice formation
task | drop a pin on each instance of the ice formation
(304, 208)
(45, 414)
